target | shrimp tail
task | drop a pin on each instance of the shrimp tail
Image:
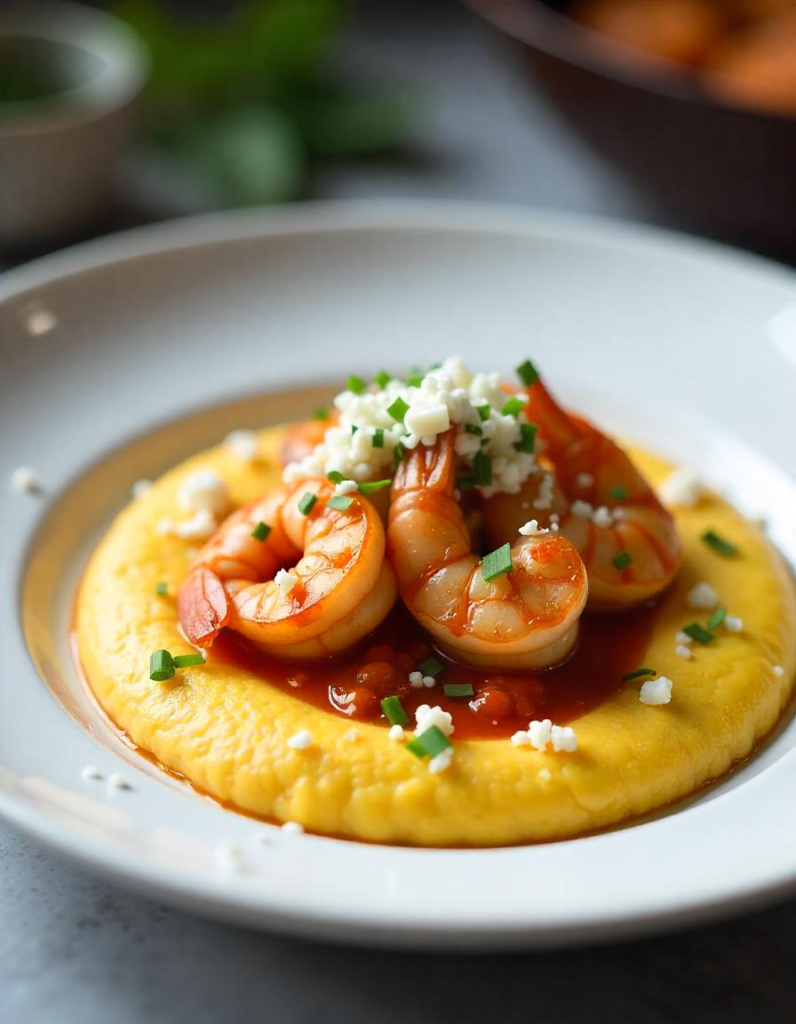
(203, 606)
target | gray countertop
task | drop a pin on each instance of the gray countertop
(76, 949)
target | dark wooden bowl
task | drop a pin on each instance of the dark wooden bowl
(728, 169)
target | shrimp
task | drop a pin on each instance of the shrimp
(303, 437)
(602, 504)
(527, 618)
(340, 587)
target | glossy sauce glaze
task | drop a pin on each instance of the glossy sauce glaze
(352, 686)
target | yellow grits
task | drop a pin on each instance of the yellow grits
(227, 733)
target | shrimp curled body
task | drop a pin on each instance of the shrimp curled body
(601, 503)
(342, 584)
(527, 618)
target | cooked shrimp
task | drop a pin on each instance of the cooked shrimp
(339, 588)
(601, 503)
(302, 438)
(526, 618)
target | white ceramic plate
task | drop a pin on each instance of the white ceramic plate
(110, 351)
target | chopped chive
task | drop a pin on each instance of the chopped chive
(161, 666)
(398, 453)
(618, 493)
(698, 633)
(378, 438)
(354, 429)
(261, 531)
(497, 562)
(716, 619)
(458, 689)
(622, 560)
(435, 366)
(431, 667)
(639, 672)
(429, 743)
(513, 406)
(371, 486)
(356, 384)
(341, 502)
(161, 589)
(394, 711)
(335, 476)
(484, 411)
(465, 483)
(527, 440)
(307, 503)
(527, 373)
(719, 544)
(414, 380)
(473, 428)
(482, 469)
(398, 410)
(186, 660)
(321, 414)
(382, 379)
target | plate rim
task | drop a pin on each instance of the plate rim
(334, 218)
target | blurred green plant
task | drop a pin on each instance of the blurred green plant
(246, 104)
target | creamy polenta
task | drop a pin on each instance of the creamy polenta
(228, 732)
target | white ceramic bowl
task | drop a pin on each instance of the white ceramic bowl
(58, 152)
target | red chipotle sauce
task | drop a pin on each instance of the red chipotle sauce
(352, 686)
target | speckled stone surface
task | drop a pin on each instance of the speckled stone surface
(75, 950)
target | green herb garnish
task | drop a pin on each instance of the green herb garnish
(484, 412)
(482, 469)
(261, 531)
(716, 619)
(414, 380)
(398, 410)
(527, 373)
(458, 689)
(394, 711)
(382, 379)
(335, 476)
(356, 384)
(430, 667)
(618, 493)
(378, 438)
(513, 406)
(429, 743)
(622, 560)
(371, 486)
(161, 589)
(161, 666)
(719, 544)
(341, 502)
(639, 672)
(186, 660)
(698, 633)
(465, 483)
(321, 414)
(497, 562)
(473, 428)
(307, 503)
(527, 440)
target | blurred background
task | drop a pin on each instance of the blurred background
(116, 113)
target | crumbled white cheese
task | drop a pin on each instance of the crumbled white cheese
(544, 499)
(429, 682)
(286, 581)
(416, 680)
(292, 828)
(521, 739)
(426, 716)
(300, 740)
(563, 737)
(441, 761)
(681, 487)
(702, 596)
(117, 781)
(396, 733)
(582, 509)
(540, 733)
(683, 651)
(243, 444)
(205, 491)
(602, 517)
(448, 395)
(351, 735)
(683, 638)
(200, 526)
(228, 858)
(24, 481)
(733, 623)
(91, 772)
(778, 671)
(656, 691)
(533, 529)
(346, 487)
(584, 480)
